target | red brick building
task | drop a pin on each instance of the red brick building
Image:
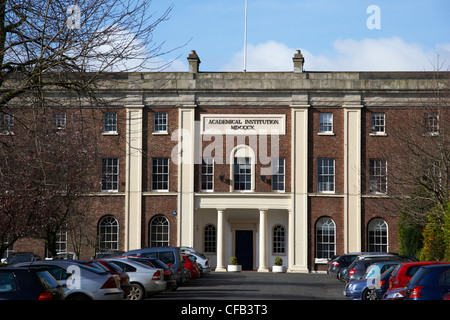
(252, 165)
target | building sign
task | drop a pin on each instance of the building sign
(243, 124)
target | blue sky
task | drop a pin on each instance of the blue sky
(332, 34)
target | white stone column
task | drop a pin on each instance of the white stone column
(352, 178)
(186, 153)
(299, 185)
(220, 240)
(263, 241)
(133, 169)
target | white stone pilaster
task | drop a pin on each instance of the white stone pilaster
(298, 226)
(133, 186)
(186, 154)
(352, 178)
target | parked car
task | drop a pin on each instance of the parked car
(89, 284)
(18, 257)
(363, 289)
(383, 284)
(109, 266)
(171, 283)
(338, 265)
(356, 270)
(430, 282)
(201, 259)
(169, 255)
(404, 272)
(191, 265)
(145, 280)
(29, 284)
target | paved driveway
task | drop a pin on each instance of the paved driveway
(259, 286)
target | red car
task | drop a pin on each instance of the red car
(404, 272)
(191, 265)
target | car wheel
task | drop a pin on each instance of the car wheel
(80, 297)
(366, 295)
(137, 292)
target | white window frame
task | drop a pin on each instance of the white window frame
(378, 123)
(110, 175)
(326, 122)
(110, 122)
(59, 120)
(378, 235)
(327, 224)
(108, 226)
(378, 176)
(279, 174)
(242, 151)
(160, 122)
(7, 123)
(432, 123)
(160, 175)
(207, 178)
(324, 172)
(159, 231)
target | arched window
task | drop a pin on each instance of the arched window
(279, 240)
(325, 238)
(159, 232)
(377, 236)
(108, 234)
(209, 236)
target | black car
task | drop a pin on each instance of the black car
(29, 284)
(339, 263)
(18, 257)
(356, 270)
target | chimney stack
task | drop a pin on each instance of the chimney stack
(194, 62)
(298, 62)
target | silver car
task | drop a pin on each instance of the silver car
(81, 282)
(145, 281)
(200, 258)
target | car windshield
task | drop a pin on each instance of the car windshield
(7, 282)
(47, 279)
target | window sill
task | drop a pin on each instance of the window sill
(112, 133)
(326, 134)
(378, 134)
(160, 133)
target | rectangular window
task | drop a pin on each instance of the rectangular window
(278, 175)
(432, 123)
(377, 176)
(325, 175)
(59, 120)
(378, 123)
(160, 121)
(208, 174)
(242, 174)
(6, 123)
(326, 122)
(110, 122)
(160, 174)
(110, 177)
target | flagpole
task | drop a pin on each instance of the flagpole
(245, 39)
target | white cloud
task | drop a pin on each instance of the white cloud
(386, 54)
